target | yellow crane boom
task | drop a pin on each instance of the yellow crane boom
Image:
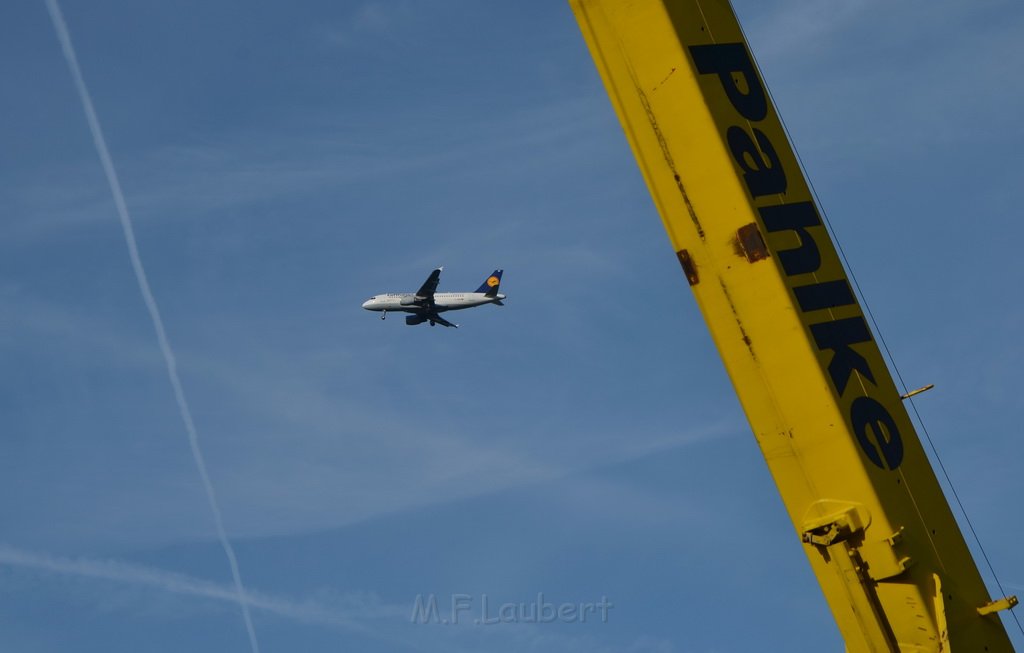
(862, 496)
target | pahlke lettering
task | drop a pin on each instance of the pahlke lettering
(763, 175)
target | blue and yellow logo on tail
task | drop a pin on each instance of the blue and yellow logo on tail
(490, 285)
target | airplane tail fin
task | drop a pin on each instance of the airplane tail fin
(490, 286)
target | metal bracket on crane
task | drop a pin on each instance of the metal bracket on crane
(839, 537)
(917, 392)
(1005, 603)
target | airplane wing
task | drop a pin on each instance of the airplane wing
(426, 291)
(443, 322)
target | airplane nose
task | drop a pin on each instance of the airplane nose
(367, 303)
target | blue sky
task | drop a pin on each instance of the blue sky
(283, 161)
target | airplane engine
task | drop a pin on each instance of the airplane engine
(415, 319)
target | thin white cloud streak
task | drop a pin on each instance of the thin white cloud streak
(790, 28)
(184, 181)
(349, 615)
(372, 20)
(436, 466)
(122, 572)
(147, 294)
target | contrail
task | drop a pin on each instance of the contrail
(112, 570)
(147, 295)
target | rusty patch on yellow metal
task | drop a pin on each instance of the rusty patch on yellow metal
(689, 267)
(736, 315)
(750, 243)
(666, 153)
(670, 73)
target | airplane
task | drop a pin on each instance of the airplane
(426, 304)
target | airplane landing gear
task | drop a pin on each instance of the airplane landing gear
(383, 314)
(431, 323)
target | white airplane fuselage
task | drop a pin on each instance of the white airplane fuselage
(443, 301)
(426, 304)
